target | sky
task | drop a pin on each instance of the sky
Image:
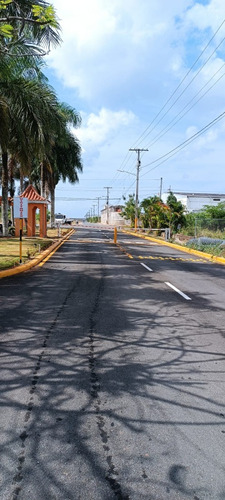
(147, 74)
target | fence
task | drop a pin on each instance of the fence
(165, 230)
(209, 227)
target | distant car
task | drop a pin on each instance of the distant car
(60, 219)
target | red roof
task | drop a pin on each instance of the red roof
(32, 195)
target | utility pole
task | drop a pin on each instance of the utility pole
(98, 206)
(138, 150)
(107, 203)
(160, 189)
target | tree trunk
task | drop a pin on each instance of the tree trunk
(5, 193)
(21, 181)
(11, 165)
(52, 191)
(43, 180)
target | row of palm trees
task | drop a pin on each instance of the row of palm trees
(36, 138)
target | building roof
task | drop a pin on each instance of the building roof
(199, 195)
(32, 195)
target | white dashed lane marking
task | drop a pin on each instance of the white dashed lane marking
(146, 267)
(177, 290)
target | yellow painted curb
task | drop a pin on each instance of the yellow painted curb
(207, 256)
(34, 262)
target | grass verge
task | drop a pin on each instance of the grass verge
(31, 247)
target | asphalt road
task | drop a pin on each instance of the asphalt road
(112, 374)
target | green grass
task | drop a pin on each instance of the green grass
(10, 250)
(31, 247)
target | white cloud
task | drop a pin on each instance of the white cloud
(99, 128)
(120, 62)
(111, 46)
(206, 16)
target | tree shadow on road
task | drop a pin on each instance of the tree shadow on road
(108, 388)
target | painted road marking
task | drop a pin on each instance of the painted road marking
(146, 267)
(177, 290)
(124, 251)
(152, 257)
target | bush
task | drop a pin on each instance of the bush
(204, 241)
(213, 246)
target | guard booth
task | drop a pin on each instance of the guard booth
(35, 202)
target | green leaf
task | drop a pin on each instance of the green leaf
(6, 30)
(4, 3)
(45, 14)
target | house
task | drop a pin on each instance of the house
(112, 215)
(194, 202)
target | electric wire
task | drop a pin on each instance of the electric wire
(174, 121)
(144, 135)
(147, 132)
(181, 146)
(140, 139)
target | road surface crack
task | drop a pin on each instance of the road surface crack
(111, 473)
(18, 476)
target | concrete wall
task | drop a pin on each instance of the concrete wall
(196, 204)
(114, 217)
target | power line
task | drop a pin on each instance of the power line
(177, 88)
(82, 199)
(175, 150)
(173, 122)
(144, 135)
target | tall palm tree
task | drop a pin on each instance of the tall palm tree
(28, 108)
(27, 30)
(66, 165)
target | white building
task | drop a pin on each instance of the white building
(194, 202)
(112, 215)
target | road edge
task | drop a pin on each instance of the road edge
(34, 262)
(207, 256)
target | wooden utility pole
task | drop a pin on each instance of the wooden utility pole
(107, 203)
(138, 150)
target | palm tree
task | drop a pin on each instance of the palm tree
(66, 164)
(154, 212)
(27, 30)
(28, 108)
(33, 124)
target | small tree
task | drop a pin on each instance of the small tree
(154, 213)
(176, 215)
(128, 211)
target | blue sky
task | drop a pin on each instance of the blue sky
(119, 64)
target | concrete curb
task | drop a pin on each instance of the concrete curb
(206, 256)
(34, 262)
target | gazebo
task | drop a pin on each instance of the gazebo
(35, 202)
